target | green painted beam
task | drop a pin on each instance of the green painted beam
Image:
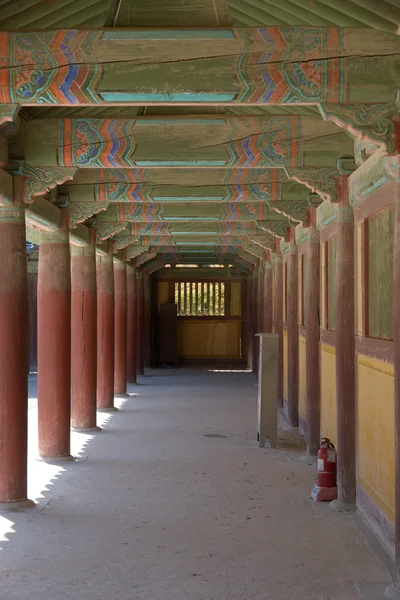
(199, 142)
(218, 66)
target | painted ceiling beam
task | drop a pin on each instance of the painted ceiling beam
(193, 213)
(212, 141)
(189, 177)
(198, 241)
(123, 191)
(222, 66)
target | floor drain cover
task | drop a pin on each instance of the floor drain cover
(214, 435)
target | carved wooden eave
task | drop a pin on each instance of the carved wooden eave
(107, 230)
(371, 123)
(145, 257)
(266, 242)
(297, 211)
(376, 172)
(241, 267)
(8, 115)
(38, 181)
(323, 181)
(276, 228)
(80, 211)
(123, 241)
(250, 256)
(135, 251)
(319, 181)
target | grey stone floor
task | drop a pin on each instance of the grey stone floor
(153, 510)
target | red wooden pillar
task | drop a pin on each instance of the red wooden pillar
(105, 330)
(254, 319)
(268, 301)
(139, 322)
(83, 335)
(261, 308)
(32, 307)
(345, 348)
(278, 316)
(293, 333)
(393, 591)
(249, 322)
(13, 359)
(147, 319)
(131, 323)
(54, 343)
(312, 328)
(120, 331)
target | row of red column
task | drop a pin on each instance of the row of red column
(90, 343)
(345, 372)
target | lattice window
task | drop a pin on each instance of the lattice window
(200, 298)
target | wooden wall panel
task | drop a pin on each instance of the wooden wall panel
(285, 364)
(380, 274)
(328, 392)
(236, 309)
(202, 338)
(302, 379)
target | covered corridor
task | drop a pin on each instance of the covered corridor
(154, 510)
(178, 177)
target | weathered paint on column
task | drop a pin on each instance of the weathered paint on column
(147, 319)
(54, 343)
(293, 333)
(278, 315)
(254, 316)
(13, 359)
(139, 322)
(268, 303)
(120, 332)
(105, 330)
(32, 307)
(313, 407)
(393, 591)
(261, 308)
(345, 374)
(83, 335)
(249, 322)
(131, 323)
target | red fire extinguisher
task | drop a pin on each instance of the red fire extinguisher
(326, 464)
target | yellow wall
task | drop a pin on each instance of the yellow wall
(204, 338)
(302, 377)
(328, 392)
(285, 364)
(375, 431)
(236, 291)
(163, 292)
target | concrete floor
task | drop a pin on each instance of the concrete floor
(153, 510)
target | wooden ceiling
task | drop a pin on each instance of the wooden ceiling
(203, 182)
(46, 14)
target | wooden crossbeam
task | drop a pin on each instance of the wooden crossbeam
(215, 142)
(190, 178)
(122, 191)
(192, 213)
(275, 65)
